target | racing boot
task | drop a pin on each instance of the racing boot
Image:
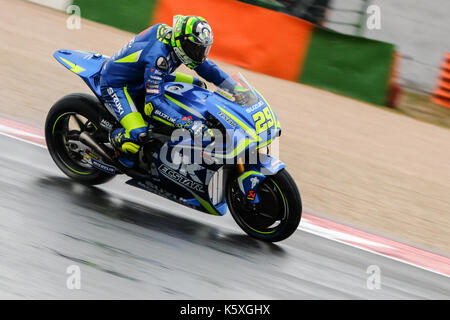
(127, 146)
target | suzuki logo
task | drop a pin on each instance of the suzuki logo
(254, 182)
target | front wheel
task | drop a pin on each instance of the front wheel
(278, 214)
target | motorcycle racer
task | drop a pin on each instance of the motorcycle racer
(143, 66)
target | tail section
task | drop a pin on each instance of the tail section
(85, 64)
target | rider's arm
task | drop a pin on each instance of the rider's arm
(209, 71)
(182, 77)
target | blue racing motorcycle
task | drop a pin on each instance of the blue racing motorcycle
(229, 168)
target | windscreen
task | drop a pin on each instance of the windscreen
(243, 93)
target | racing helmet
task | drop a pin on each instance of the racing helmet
(191, 39)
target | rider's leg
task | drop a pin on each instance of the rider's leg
(126, 139)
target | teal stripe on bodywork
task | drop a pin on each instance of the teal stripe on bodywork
(247, 129)
(185, 107)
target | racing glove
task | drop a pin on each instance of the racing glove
(202, 84)
(240, 94)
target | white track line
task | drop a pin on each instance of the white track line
(23, 140)
(325, 233)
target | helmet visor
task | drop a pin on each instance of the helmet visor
(196, 52)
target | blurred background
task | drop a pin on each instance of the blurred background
(416, 30)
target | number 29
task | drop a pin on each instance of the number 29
(263, 120)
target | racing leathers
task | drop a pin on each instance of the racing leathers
(132, 82)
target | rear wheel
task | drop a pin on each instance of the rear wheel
(67, 118)
(277, 215)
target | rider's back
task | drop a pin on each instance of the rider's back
(127, 66)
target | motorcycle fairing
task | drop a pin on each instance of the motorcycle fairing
(189, 183)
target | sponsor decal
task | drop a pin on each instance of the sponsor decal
(155, 91)
(275, 163)
(254, 182)
(152, 85)
(251, 195)
(162, 64)
(103, 166)
(226, 118)
(179, 178)
(92, 155)
(156, 78)
(164, 116)
(119, 109)
(106, 124)
(187, 169)
(255, 106)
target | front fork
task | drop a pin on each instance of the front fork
(251, 176)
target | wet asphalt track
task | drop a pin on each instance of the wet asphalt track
(130, 244)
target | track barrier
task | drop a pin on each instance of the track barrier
(441, 94)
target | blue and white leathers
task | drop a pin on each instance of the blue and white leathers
(136, 74)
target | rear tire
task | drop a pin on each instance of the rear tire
(280, 199)
(84, 106)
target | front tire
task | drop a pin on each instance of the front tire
(64, 121)
(278, 214)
